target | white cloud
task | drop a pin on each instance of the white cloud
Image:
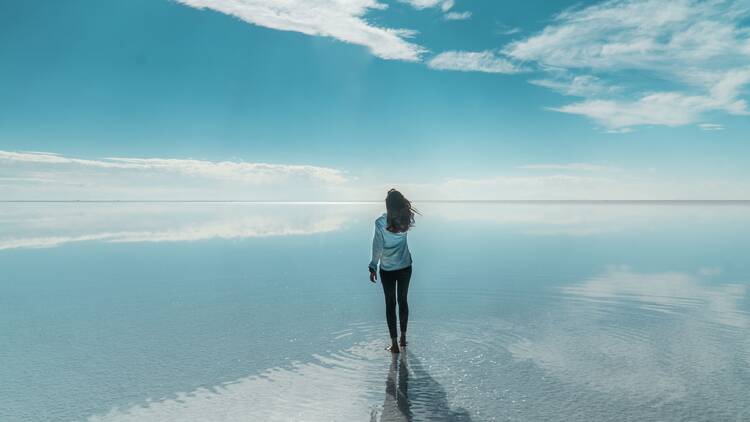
(482, 61)
(699, 48)
(556, 186)
(343, 20)
(568, 166)
(253, 173)
(578, 86)
(45, 176)
(615, 186)
(711, 126)
(62, 177)
(710, 271)
(666, 108)
(507, 30)
(457, 16)
(444, 5)
(637, 34)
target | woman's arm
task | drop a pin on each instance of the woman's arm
(377, 252)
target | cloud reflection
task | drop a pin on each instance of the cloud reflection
(328, 388)
(342, 386)
(578, 219)
(667, 292)
(52, 225)
(642, 336)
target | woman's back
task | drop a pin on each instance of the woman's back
(390, 247)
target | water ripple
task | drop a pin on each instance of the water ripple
(651, 346)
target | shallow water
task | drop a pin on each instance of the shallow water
(241, 311)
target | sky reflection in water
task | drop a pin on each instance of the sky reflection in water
(167, 312)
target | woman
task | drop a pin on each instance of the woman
(390, 248)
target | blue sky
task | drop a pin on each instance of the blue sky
(339, 100)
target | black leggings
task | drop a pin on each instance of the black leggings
(390, 280)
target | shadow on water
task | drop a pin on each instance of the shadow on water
(415, 395)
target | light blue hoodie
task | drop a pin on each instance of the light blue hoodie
(389, 248)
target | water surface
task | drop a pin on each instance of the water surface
(242, 311)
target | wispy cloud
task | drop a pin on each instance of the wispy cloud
(47, 176)
(665, 108)
(578, 85)
(568, 166)
(700, 50)
(701, 47)
(508, 30)
(566, 186)
(444, 5)
(638, 34)
(481, 61)
(457, 16)
(342, 20)
(711, 126)
(63, 177)
(253, 173)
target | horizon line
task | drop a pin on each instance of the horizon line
(271, 201)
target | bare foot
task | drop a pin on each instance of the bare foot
(393, 348)
(402, 342)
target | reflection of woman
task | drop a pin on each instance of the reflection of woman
(390, 248)
(396, 407)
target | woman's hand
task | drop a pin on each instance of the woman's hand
(373, 276)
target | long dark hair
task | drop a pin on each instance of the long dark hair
(400, 214)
